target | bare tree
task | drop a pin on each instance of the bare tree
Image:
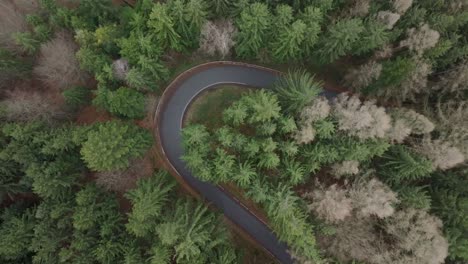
(122, 180)
(442, 154)
(363, 76)
(26, 106)
(363, 120)
(455, 80)
(401, 6)
(360, 8)
(347, 167)
(305, 134)
(452, 124)
(373, 198)
(388, 18)
(420, 39)
(11, 21)
(217, 37)
(57, 65)
(317, 110)
(418, 233)
(120, 69)
(331, 204)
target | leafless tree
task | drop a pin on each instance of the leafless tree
(420, 39)
(401, 6)
(363, 120)
(317, 110)
(331, 204)
(388, 18)
(120, 69)
(122, 180)
(373, 198)
(57, 65)
(442, 154)
(347, 167)
(360, 8)
(11, 21)
(26, 106)
(362, 76)
(217, 37)
(455, 80)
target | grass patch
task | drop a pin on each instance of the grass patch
(208, 107)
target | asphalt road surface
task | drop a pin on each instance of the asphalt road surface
(170, 127)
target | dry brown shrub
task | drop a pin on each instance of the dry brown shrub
(25, 106)
(57, 65)
(11, 21)
(120, 69)
(317, 110)
(452, 124)
(455, 80)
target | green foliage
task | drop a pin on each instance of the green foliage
(28, 43)
(162, 25)
(77, 96)
(16, 232)
(339, 40)
(400, 164)
(313, 18)
(296, 90)
(394, 72)
(12, 67)
(254, 24)
(148, 200)
(90, 14)
(288, 45)
(188, 19)
(375, 35)
(111, 144)
(123, 102)
(414, 197)
(137, 79)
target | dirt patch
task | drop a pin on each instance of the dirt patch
(90, 115)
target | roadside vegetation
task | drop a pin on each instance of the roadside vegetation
(375, 175)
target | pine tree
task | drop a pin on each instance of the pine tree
(296, 90)
(339, 40)
(111, 144)
(148, 200)
(290, 41)
(163, 27)
(254, 25)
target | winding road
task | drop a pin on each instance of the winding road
(169, 117)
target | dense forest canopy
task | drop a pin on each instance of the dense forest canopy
(377, 174)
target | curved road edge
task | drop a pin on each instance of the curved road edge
(168, 118)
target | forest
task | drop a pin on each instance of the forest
(377, 173)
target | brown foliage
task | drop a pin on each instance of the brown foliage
(217, 37)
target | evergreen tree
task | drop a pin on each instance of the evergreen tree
(339, 40)
(296, 90)
(111, 144)
(162, 25)
(290, 42)
(77, 96)
(123, 102)
(148, 200)
(254, 24)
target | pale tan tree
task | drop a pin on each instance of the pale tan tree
(217, 37)
(388, 18)
(362, 76)
(420, 39)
